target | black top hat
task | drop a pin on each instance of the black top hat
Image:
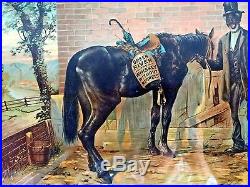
(231, 7)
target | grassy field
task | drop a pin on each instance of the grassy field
(21, 112)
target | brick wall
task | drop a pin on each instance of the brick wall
(14, 148)
(81, 25)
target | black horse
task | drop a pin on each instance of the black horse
(99, 76)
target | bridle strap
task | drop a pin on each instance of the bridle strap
(210, 48)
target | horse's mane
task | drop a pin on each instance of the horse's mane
(187, 43)
(185, 38)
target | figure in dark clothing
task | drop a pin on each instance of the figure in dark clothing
(232, 58)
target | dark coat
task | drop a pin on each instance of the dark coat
(222, 62)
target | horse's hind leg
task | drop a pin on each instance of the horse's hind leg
(86, 111)
(166, 119)
(101, 106)
(155, 119)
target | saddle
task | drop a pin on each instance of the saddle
(152, 44)
(144, 62)
(144, 55)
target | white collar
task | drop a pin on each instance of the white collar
(236, 32)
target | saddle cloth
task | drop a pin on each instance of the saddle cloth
(144, 59)
(145, 69)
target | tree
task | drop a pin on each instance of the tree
(35, 23)
(5, 79)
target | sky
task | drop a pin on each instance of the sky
(10, 39)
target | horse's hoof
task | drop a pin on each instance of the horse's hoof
(169, 154)
(105, 177)
(154, 151)
(92, 167)
(166, 151)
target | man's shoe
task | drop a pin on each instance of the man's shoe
(234, 150)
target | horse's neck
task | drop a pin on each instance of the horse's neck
(187, 56)
(193, 45)
(191, 53)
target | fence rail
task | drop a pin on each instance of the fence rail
(27, 101)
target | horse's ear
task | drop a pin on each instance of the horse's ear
(211, 34)
(197, 31)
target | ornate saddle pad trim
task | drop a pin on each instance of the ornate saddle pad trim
(130, 49)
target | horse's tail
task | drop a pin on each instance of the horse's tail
(70, 102)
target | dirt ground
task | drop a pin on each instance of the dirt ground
(188, 167)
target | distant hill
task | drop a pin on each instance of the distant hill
(19, 72)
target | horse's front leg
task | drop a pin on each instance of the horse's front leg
(166, 119)
(155, 119)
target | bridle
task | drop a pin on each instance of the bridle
(210, 49)
(208, 56)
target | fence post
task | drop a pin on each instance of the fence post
(5, 103)
(29, 139)
(19, 103)
(25, 102)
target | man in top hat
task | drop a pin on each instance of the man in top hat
(232, 58)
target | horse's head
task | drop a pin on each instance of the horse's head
(209, 54)
(210, 44)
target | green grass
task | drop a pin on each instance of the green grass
(6, 97)
(20, 112)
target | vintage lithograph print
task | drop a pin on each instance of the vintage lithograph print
(125, 93)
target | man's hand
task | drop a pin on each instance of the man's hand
(201, 60)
